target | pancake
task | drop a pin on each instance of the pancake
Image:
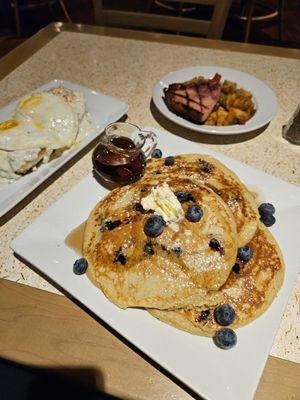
(250, 292)
(212, 173)
(173, 270)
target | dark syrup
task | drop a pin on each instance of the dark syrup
(115, 166)
(74, 240)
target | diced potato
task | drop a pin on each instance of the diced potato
(221, 116)
(212, 119)
(238, 115)
(231, 117)
(243, 93)
(241, 99)
(228, 87)
(235, 106)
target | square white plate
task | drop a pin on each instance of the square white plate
(104, 110)
(208, 370)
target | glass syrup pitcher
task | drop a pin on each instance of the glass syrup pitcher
(122, 152)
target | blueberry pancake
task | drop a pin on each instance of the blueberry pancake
(162, 244)
(249, 290)
(220, 179)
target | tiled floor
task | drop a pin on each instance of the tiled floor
(81, 11)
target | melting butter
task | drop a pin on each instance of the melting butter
(164, 203)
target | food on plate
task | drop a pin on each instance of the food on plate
(157, 153)
(224, 182)
(185, 243)
(225, 338)
(43, 126)
(210, 101)
(13, 164)
(194, 99)
(266, 212)
(248, 291)
(80, 266)
(158, 254)
(76, 101)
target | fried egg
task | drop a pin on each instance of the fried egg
(86, 127)
(75, 100)
(22, 134)
(44, 124)
(49, 113)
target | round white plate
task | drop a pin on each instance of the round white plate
(264, 98)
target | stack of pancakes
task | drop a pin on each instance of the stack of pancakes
(178, 276)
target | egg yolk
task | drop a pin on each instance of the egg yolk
(11, 123)
(38, 124)
(31, 101)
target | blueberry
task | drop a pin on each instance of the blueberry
(205, 166)
(154, 226)
(139, 208)
(157, 153)
(178, 250)
(203, 316)
(169, 160)
(236, 268)
(224, 314)
(245, 253)
(266, 208)
(120, 256)
(80, 266)
(110, 225)
(184, 197)
(266, 211)
(214, 244)
(194, 213)
(164, 248)
(268, 219)
(148, 248)
(225, 338)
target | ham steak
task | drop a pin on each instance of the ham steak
(194, 100)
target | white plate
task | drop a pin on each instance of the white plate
(211, 372)
(104, 110)
(264, 98)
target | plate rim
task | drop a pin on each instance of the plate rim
(214, 130)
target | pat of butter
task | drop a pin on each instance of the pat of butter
(164, 203)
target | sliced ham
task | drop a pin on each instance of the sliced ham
(193, 100)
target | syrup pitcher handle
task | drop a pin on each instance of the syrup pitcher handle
(150, 143)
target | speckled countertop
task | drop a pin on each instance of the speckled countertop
(128, 69)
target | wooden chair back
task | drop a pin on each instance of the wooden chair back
(210, 28)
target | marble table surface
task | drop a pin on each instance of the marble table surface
(128, 69)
